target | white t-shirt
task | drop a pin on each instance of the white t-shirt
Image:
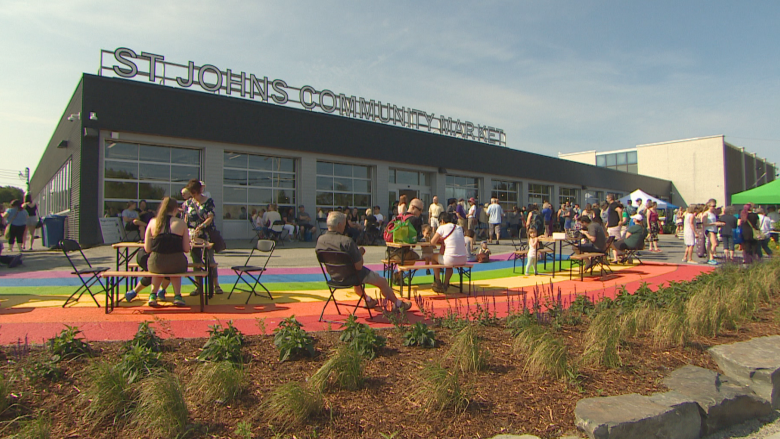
(455, 244)
(764, 223)
(379, 217)
(472, 212)
(270, 216)
(495, 212)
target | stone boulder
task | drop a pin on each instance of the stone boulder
(723, 403)
(755, 363)
(638, 417)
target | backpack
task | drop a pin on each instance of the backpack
(538, 223)
(396, 224)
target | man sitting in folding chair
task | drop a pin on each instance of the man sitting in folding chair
(335, 240)
(633, 242)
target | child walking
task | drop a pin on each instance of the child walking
(533, 243)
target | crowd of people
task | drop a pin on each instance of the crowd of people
(704, 227)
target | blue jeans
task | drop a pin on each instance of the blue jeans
(764, 245)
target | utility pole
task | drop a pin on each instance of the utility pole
(26, 177)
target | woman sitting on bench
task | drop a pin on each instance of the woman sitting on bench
(453, 250)
(167, 239)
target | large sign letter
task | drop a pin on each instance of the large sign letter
(122, 56)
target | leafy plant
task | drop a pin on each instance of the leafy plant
(291, 404)
(223, 344)
(220, 382)
(291, 340)
(138, 362)
(420, 335)
(243, 429)
(582, 305)
(67, 344)
(362, 338)
(145, 337)
(543, 353)
(343, 370)
(162, 410)
(108, 393)
(43, 370)
(440, 389)
(466, 351)
(517, 322)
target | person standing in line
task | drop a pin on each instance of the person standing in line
(495, 218)
(727, 232)
(748, 221)
(402, 205)
(547, 214)
(764, 226)
(32, 218)
(461, 212)
(613, 214)
(434, 210)
(513, 222)
(16, 218)
(199, 211)
(654, 223)
(711, 225)
(483, 222)
(471, 216)
(641, 209)
(689, 233)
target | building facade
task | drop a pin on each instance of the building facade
(121, 140)
(699, 168)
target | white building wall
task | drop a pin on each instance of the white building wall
(695, 166)
(587, 157)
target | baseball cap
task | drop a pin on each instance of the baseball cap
(472, 200)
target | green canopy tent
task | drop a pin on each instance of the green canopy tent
(768, 193)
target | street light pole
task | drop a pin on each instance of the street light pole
(26, 177)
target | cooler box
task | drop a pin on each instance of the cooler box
(53, 230)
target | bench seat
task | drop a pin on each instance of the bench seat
(598, 259)
(113, 281)
(463, 270)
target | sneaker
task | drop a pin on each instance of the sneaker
(161, 295)
(178, 300)
(130, 295)
(152, 299)
(712, 262)
(402, 306)
(16, 261)
(196, 292)
(693, 262)
(371, 302)
(497, 243)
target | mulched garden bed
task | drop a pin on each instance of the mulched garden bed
(504, 399)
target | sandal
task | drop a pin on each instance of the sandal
(218, 290)
(371, 303)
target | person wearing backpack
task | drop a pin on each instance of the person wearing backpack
(535, 220)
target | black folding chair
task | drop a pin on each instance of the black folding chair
(254, 272)
(68, 246)
(339, 264)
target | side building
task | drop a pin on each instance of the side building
(122, 139)
(699, 168)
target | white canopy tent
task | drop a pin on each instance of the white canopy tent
(639, 193)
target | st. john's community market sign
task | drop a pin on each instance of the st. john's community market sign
(126, 63)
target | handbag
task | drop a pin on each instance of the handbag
(738, 235)
(216, 238)
(757, 234)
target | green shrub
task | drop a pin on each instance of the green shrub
(223, 344)
(108, 393)
(671, 327)
(38, 428)
(243, 430)
(516, 323)
(40, 371)
(138, 362)
(420, 335)
(291, 404)
(582, 305)
(466, 351)
(543, 353)
(362, 338)
(439, 390)
(343, 370)
(220, 382)
(291, 340)
(67, 344)
(145, 337)
(602, 341)
(162, 410)
(637, 321)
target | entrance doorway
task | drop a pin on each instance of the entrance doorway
(395, 195)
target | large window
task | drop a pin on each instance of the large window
(55, 196)
(342, 185)
(621, 161)
(507, 192)
(568, 194)
(409, 178)
(145, 172)
(461, 187)
(251, 182)
(594, 197)
(539, 193)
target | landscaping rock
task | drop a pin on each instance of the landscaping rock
(637, 417)
(723, 403)
(755, 363)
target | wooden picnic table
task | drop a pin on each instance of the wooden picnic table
(556, 243)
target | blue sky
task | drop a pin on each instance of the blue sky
(557, 76)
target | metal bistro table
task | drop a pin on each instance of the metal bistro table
(398, 249)
(126, 251)
(556, 243)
